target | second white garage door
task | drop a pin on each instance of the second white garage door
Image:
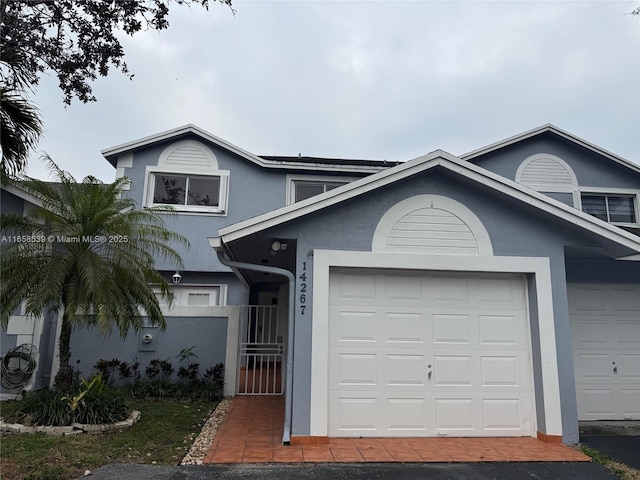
(428, 354)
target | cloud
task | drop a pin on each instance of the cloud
(383, 80)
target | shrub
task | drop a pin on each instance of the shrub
(44, 407)
(159, 367)
(91, 402)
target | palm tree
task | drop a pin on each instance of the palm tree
(20, 129)
(87, 253)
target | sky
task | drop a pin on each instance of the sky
(370, 80)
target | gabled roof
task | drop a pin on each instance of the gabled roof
(434, 159)
(549, 128)
(298, 163)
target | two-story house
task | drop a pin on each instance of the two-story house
(492, 294)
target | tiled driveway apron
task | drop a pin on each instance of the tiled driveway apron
(252, 433)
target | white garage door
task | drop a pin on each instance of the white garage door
(428, 354)
(605, 327)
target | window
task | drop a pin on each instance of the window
(301, 187)
(304, 190)
(188, 192)
(610, 208)
(198, 299)
(196, 296)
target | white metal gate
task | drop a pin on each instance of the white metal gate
(261, 351)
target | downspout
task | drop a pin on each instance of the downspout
(286, 436)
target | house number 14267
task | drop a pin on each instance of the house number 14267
(303, 288)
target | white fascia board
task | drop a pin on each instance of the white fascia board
(190, 128)
(24, 195)
(469, 156)
(437, 158)
(630, 258)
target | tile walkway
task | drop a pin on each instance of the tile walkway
(252, 433)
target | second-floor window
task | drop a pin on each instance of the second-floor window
(610, 208)
(188, 192)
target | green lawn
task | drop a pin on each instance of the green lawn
(162, 435)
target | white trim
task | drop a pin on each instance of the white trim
(543, 187)
(110, 152)
(406, 206)
(231, 354)
(125, 160)
(221, 209)
(292, 178)
(435, 159)
(193, 311)
(470, 156)
(166, 153)
(538, 266)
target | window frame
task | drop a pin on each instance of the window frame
(611, 192)
(223, 191)
(292, 180)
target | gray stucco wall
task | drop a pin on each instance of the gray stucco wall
(591, 169)
(252, 190)
(208, 336)
(514, 229)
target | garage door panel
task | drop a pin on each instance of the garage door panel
(355, 288)
(356, 369)
(627, 333)
(453, 370)
(628, 367)
(404, 288)
(625, 299)
(589, 333)
(605, 329)
(403, 328)
(500, 293)
(502, 371)
(598, 402)
(356, 326)
(358, 414)
(630, 403)
(587, 298)
(455, 414)
(407, 415)
(504, 414)
(405, 370)
(452, 328)
(450, 291)
(443, 345)
(504, 330)
(592, 367)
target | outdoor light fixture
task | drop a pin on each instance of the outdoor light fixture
(276, 247)
(176, 278)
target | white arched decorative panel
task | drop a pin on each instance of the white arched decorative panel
(431, 224)
(545, 172)
(189, 154)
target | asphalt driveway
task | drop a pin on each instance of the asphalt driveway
(368, 471)
(623, 449)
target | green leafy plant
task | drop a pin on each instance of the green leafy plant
(96, 384)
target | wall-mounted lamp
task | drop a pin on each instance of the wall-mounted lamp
(176, 278)
(146, 339)
(276, 247)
